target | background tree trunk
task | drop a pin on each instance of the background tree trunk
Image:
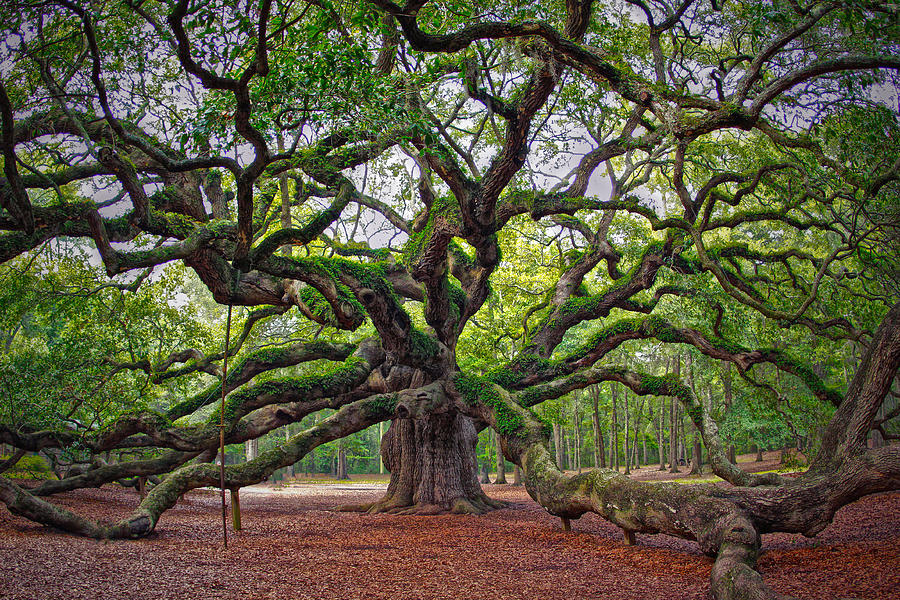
(614, 431)
(501, 462)
(696, 449)
(627, 445)
(599, 448)
(727, 395)
(673, 420)
(381, 468)
(576, 431)
(558, 446)
(251, 449)
(289, 471)
(661, 435)
(697, 458)
(636, 428)
(342, 463)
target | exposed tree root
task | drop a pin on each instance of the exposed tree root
(396, 506)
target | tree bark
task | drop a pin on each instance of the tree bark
(696, 450)
(433, 467)
(558, 446)
(599, 447)
(627, 445)
(501, 462)
(614, 432)
(381, 469)
(727, 395)
(673, 421)
(661, 436)
(341, 463)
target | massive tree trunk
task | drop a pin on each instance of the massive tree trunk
(433, 467)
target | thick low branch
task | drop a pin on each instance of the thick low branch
(349, 419)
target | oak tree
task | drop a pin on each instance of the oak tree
(719, 176)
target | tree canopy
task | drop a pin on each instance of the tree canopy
(450, 216)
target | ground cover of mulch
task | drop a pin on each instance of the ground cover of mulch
(293, 547)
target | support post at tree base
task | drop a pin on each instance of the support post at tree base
(567, 525)
(142, 488)
(629, 537)
(236, 509)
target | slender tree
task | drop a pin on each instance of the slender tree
(501, 462)
(674, 419)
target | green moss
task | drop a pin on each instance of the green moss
(319, 306)
(667, 385)
(361, 249)
(812, 381)
(620, 327)
(727, 346)
(372, 276)
(444, 209)
(663, 330)
(461, 255)
(378, 407)
(333, 381)
(581, 305)
(479, 391)
(457, 296)
(422, 346)
(170, 224)
(524, 366)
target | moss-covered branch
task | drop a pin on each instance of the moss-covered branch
(575, 310)
(529, 370)
(264, 359)
(349, 419)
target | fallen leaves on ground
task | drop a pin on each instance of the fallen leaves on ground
(293, 546)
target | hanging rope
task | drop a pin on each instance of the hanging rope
(222, 431)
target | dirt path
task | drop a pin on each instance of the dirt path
(292, 547)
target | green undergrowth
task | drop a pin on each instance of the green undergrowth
(29, 467)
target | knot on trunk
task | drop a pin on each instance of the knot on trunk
(367, 297)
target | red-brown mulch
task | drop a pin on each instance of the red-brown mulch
(292, 547)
